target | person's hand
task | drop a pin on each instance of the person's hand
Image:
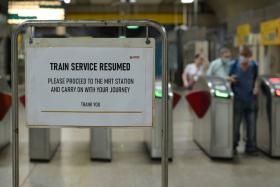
(255, 90)
(186, 84)
(232, 79)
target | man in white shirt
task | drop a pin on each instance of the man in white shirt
(220, 66)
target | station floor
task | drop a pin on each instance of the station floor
(131, 165)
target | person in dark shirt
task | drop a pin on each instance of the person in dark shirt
(243, 77)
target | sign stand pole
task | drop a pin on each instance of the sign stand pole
(113, 23)
(164, 139)
(15, 130)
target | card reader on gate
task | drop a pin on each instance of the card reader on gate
(277, 93)
(220, 88)
(158, 90)
(275, 82)
(158, 93)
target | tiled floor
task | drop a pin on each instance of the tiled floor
(131, 166)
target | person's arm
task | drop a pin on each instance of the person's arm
(256, 83)
(184, 77)
(231, 77)
(205, 64)
(256, 87)
(210, 69)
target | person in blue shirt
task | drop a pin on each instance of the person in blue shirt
(243, 77)
(220, 66)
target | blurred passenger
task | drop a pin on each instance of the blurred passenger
(220, 66)
(243, 76)
(193, 71)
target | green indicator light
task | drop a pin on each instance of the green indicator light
(158, 93)
(218, 93)
(132, 27)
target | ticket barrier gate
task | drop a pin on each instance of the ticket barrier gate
(153, 135)
(101, 143)
(43, 142)
(101, 138)
(5, 113)
(268, 124)
(212, 102)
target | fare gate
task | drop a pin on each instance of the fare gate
(212, 102)
(268, 123)
(43, 142)
(153, 135)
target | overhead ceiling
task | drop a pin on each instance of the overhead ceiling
(114, 6)
(223, 9)
(227, 9)
(119, 1)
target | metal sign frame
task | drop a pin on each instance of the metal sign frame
(84, 24)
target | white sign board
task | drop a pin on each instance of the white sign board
(89, 82)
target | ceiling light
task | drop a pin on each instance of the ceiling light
(67, 1)
(187, 1)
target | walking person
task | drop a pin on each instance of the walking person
(243, 77)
